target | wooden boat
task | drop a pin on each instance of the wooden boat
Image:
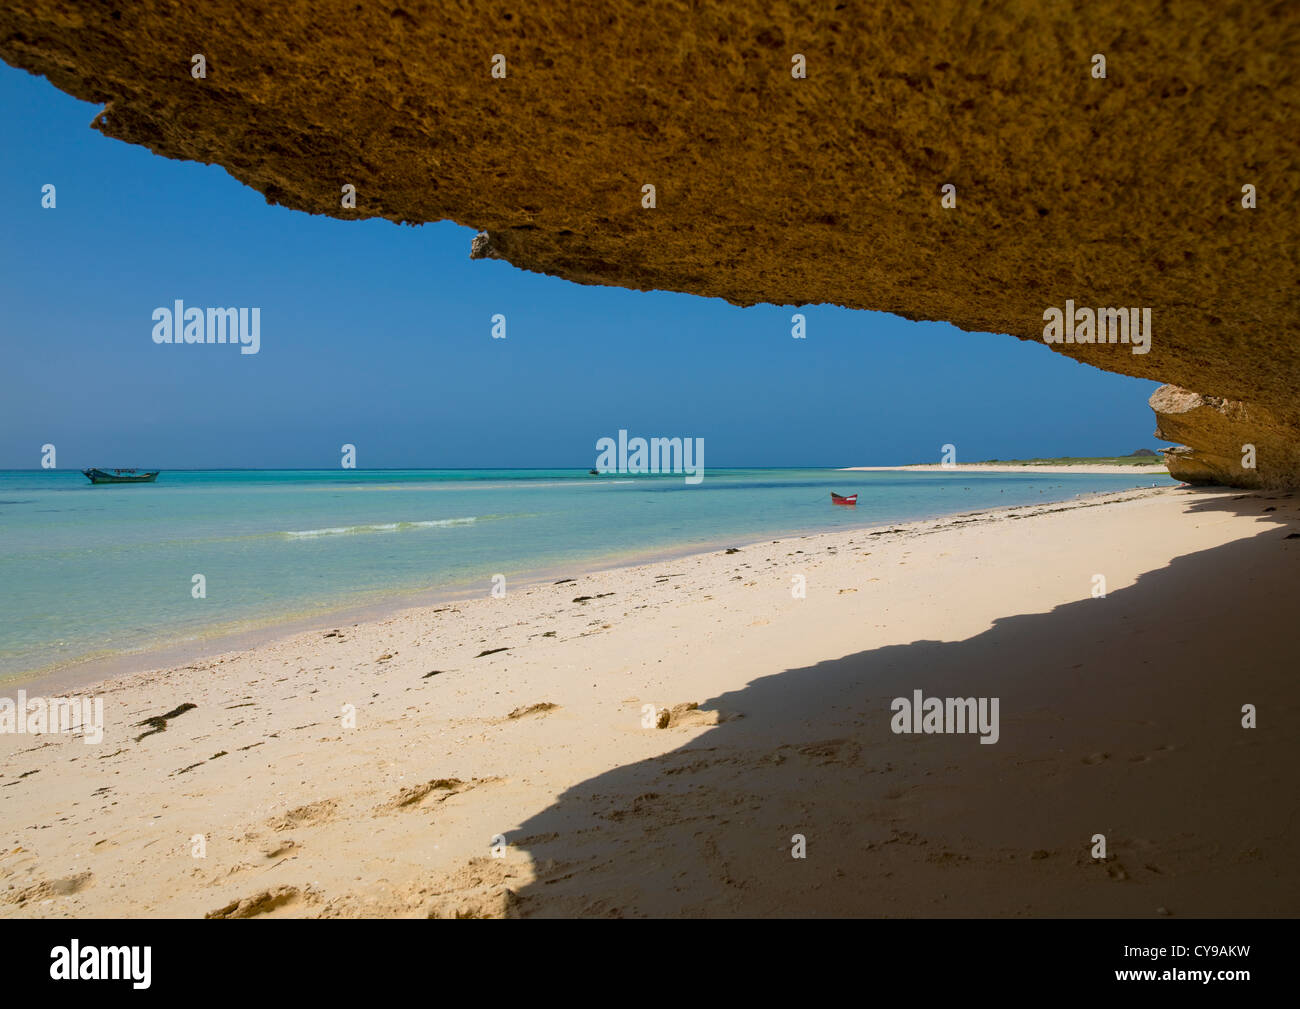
(839, 499)
(121, 475)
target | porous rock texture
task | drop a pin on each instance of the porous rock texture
(1122, 191)
(1230, 439)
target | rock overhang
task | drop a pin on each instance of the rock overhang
(1118, 191)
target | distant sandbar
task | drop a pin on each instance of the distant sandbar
(1002, 467)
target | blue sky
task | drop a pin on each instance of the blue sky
(379, 336)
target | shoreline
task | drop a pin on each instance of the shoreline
(215, 641)
(79, 674)
(524, 718)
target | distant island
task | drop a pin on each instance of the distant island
(1144, 460)
(1142, 457)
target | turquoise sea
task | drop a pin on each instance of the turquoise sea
(92, 571)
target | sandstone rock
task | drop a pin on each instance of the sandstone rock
(1123, 191)
(1221, 431)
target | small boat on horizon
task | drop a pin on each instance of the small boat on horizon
(839, 499)
(121, 475)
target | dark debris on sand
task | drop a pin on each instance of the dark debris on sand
(158, 723)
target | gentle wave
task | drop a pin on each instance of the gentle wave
(382, 527)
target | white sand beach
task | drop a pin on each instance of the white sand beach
(520, 723)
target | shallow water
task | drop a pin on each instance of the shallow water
(90, 571)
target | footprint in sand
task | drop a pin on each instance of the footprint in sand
(412, 796)
(278, 847)
(688, 714)
(259, 903)
(46, 889)
(1160, 751)
(443, 788)
(532, 709)
(306, 816)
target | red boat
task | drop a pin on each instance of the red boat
(838, 499)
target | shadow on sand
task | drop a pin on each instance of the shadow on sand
(1119, 716)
